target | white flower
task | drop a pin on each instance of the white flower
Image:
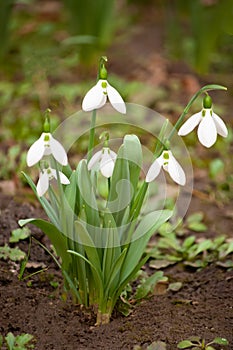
(168, 162)
(210, 124)
(96, 97)
(45, 176)
(45, 146)
(105, 159)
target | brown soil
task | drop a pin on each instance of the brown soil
(203, 307)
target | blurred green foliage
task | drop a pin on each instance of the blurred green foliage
(198, 29)
(93, 24)
(5, 13)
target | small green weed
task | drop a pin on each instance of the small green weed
(19, 234)
(156, 345)
(19, 342)
(145, 286)
(14, 254)
(197, 343)
(197, 253)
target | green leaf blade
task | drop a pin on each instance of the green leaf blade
(57, 238)
(220, 341)
(148, 225)
(184, 344)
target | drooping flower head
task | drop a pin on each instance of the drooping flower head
(46, 175)
(210, 124)
(168, 162)
(104, 160)
(96, 97)
(45, 146)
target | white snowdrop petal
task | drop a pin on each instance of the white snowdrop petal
(58, 151)
(36, 151)
(107, 169)
(94, 160)
(154, 170)
(115, 99)
(106, 164)
(93, 98)
(175, 171)
(207, 132)
(220, 125)
(102, 102)
(190, 124)
(43, 184)
(64, 179)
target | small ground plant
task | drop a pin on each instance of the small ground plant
(98, 223)
(197, 343)
(18, 342)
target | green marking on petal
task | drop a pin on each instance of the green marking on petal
(203, 113)
(46, 138)
(165, 155)
(104, 84)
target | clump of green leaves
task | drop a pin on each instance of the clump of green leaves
(105, 267)
(197, 253)
(14, 254)
(197, 343)
(19, 342)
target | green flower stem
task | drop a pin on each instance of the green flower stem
(204, 89)
(109, 186)
(102, 74)
(91, 136)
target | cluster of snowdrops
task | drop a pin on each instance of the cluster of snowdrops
(100, 248)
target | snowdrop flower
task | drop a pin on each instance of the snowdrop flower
(105, 160)
(168, 162)
(47, 175)
(96, 97)
(45, 146)
(210, 124)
